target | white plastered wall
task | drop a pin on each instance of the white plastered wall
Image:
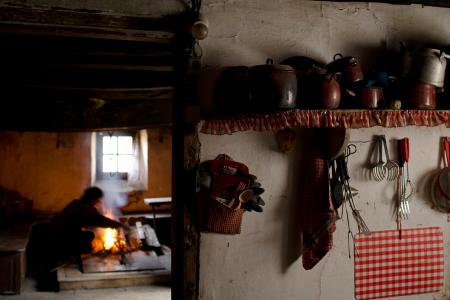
(258, 263)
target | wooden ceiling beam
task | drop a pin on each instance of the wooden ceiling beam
(88, 32)
(81, 18)
(101, 93)
(67, 66)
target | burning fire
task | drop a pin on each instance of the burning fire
(108, 239)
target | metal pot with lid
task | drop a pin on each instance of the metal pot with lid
(274, 86)
(428, 66)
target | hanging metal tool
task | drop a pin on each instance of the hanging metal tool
(348, 190)
(391, 166)
(378, 171)
(405, 189)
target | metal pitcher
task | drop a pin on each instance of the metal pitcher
(428, 66)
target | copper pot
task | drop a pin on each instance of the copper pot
(371, 96)
(330, 92)
(422, 96)
(349, 67)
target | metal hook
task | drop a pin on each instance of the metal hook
(197, 50)
(351, 149)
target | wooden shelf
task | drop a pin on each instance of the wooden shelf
(299, 118)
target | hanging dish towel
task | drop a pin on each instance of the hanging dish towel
(387, 266)
(318, 215)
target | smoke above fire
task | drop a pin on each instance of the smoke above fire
(115, 196)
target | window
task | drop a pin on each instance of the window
(119, 159)
(114, 154)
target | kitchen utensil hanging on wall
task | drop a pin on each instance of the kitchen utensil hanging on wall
(392, 169)
(335, 141)
(405, 189)
(378, 170)
(348, 190)
(336, 186)
(440, 185)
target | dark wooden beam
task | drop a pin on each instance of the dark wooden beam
(76, 18)
(88, 32)
(97, 66)
(16, 76)
(82, 114)
(79, 23)
(79, 45)
(107, 94)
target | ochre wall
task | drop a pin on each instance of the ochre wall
(159, 169)
(49, 172)
(52, 169)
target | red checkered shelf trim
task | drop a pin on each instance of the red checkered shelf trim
(387, 266)
(327, 118)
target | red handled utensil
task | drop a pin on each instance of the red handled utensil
(404, 183)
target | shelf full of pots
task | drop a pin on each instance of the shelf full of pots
(406, 79)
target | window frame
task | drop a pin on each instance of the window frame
(99, 174)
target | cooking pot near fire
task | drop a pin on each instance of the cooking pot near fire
(273, 87)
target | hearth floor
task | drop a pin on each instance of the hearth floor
(153, 292)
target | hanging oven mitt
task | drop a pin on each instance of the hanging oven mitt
(255, 203)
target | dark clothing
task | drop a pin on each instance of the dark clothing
(67, 226)
(63, 237)
(79, 214)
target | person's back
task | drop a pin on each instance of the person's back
(79, 214)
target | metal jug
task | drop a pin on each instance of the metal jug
(428, 66)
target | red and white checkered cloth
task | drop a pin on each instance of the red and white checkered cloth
(387, 266)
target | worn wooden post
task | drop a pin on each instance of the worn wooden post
(186, 153)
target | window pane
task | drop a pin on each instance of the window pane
(124, 163)
(109, 163)
(109, 145)
(125, 145)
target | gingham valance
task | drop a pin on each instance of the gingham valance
(327, 118)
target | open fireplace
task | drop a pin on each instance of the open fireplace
(120, 258)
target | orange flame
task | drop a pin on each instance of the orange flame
(108, 239)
